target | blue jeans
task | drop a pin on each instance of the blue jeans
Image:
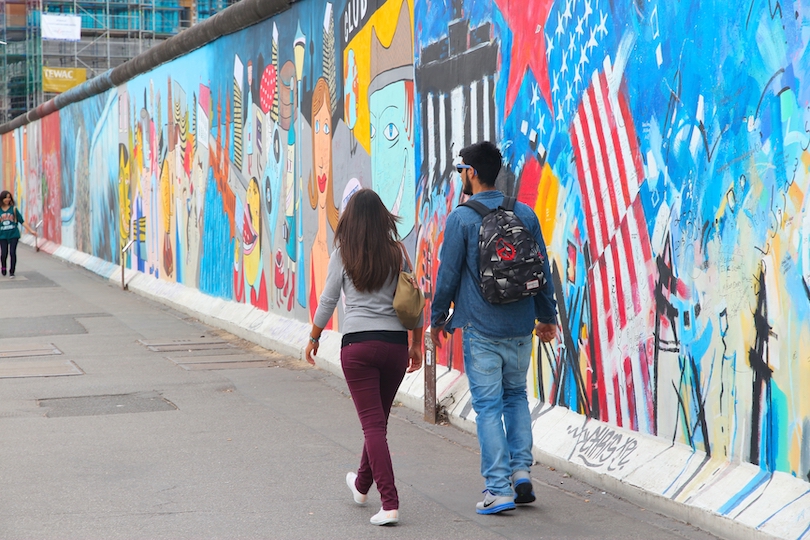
(496, 369)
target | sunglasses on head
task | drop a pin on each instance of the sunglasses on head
(461, 166)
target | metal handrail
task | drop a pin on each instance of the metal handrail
(36, 236)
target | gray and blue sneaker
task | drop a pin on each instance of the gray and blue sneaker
(522, 484)
(494, 504)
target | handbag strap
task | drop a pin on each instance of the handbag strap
(406, 259)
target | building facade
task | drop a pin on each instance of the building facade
(33, 68)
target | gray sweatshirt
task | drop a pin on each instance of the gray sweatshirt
(364, 311)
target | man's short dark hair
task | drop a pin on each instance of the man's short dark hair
(485, 158)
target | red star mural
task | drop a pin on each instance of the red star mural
(527, 20)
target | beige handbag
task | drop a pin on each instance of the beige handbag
(408, 298)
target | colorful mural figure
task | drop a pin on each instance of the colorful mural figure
(321, 190)
(252, 246)
(289, 86)
(391, 106)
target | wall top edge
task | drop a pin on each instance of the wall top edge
(228, 21)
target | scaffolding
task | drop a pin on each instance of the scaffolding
(208, 8)
(13, 59)
(112, 32)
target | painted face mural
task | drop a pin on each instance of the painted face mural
(391, 102)
(321, 141)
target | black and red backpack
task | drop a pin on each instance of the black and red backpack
(511, 266)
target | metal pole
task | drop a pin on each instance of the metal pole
(431, 409)
(123, 265)
(36, 236)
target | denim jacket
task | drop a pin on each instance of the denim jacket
(458, 279)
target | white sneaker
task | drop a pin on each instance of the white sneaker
(385, 517)
(359, 498)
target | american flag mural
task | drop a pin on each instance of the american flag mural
(620, 279)
(590, 102)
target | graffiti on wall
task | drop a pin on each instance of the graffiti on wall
(226, 180)
(663, 148)
(601, 447)
(668, 167)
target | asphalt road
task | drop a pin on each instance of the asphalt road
(218, 438)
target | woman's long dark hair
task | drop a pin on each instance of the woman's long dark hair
(3, 195)
(368, 240)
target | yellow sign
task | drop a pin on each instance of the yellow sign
(58, 80)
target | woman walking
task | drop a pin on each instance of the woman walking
(10, 220)
(375, 352)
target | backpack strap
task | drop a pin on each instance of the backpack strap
(508, 204)
(479, 207)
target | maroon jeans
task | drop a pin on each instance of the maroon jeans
(374, 371)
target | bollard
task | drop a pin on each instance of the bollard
(123, 266)
(431, 409)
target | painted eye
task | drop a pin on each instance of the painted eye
(373, 131)
(391, 132)
(317, 126)
(326, 129)
(268, 195)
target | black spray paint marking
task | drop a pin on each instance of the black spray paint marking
(602, 446)
(758, 358)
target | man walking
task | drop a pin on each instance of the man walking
(497, 338)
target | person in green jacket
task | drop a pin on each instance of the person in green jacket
(10, 220)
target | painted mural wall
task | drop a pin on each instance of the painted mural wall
(663, 145)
